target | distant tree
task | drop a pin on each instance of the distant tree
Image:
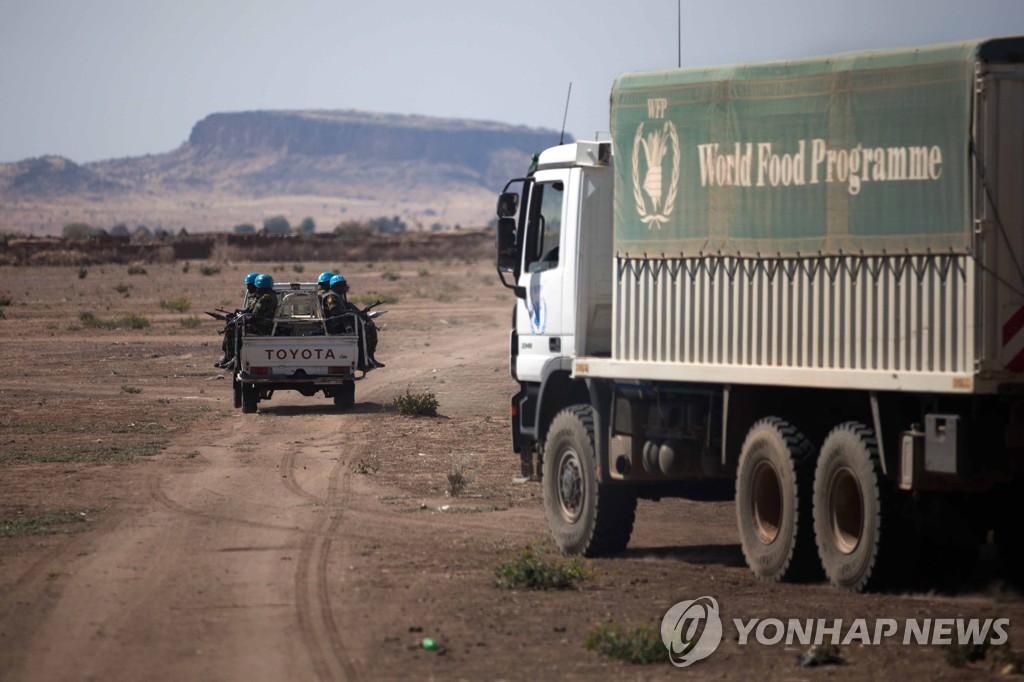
(387, 225)
(436, 227)
(307, 226)
(77, 231)
(277, 225)
(119, 230)
(244, 228)
(142, 232)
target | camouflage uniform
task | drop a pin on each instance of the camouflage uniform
(263, 310)
(335, 308)
(263, 325)
(321, 297)
(231, 324)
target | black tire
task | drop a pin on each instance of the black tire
(250, 397)
(851, 502)
(774, 486)
(345, 395)
(236, 389)
(950, 542)
(1008, 534)
(1011, 554)
(584, 517)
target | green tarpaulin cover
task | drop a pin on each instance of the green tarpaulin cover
(855, 152)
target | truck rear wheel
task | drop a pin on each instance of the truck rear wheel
(850, 507)
(774, 486)
(345, 395)
(250, 397)
(584, 516)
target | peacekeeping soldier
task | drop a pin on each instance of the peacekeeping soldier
(324, 282)
(261, 307)
(261, 320)
(228, 345)
(334, 302)
(336, 305)
(250, 290)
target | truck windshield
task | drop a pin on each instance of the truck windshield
(545, 228)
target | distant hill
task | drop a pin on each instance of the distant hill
(333, 166)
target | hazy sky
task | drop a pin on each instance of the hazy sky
(98, 79)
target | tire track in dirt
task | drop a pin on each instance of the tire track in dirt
(161, 497)
(320, 633)
(288, 467)
(312, 584)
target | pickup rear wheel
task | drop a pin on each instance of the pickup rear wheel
(774, 486)
(585, 517)
(250, 397)
(345, 395)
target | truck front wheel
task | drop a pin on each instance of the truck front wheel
(774, 485)
(584, 516)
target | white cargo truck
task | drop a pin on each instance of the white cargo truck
(800, 284)
(300, 354)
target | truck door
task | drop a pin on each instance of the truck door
(540, 316)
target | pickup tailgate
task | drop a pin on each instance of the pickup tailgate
(314, 355)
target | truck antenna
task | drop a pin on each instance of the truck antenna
(561, 138)
(679, 30)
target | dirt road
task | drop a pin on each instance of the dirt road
(304, 542)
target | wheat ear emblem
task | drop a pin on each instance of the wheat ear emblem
(655, 146)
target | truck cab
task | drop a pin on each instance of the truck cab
(555, 238)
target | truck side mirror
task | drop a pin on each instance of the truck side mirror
(508, 252)
(508, 204)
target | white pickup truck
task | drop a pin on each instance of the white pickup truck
(299, 354)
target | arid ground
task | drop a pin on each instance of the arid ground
(148, 530)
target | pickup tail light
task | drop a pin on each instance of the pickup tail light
(339, 370)
(259, 370)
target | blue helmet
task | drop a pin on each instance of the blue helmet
(251, 278)
(325, 277)
(264, 282)
(338, 279)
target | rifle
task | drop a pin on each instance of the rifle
(371, 307)
(225, 315)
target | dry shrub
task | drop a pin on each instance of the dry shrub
(458, 477)
(417, 404)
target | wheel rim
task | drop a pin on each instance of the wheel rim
(845, 510)
(766, 502)
(570, 486)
